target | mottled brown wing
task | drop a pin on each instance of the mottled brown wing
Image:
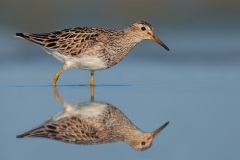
(68, 41)
(72, 130)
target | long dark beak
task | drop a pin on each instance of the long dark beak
(157, 40)
(154, 133)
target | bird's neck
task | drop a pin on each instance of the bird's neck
(129, 131)
(131, 37)
(130, 136)
(125, 43)
(123, 126)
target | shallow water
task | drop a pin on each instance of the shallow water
(195, 86)
(200, 102)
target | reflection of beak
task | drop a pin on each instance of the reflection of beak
(157, 40)
(154, 133)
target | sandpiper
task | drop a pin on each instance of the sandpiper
(92, 48)
(93, 123)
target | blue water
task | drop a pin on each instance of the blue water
(200, 102)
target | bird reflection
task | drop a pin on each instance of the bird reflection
(92, 123)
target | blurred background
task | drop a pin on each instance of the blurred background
(201, 31)
(195, 85)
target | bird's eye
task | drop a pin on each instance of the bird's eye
(143, 143)
(143, 28)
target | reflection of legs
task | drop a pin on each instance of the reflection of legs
(56, 76)
(92, 78)
(92, 92)
(56, 95)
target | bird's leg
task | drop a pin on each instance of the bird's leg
(56, 76)
(92, 78)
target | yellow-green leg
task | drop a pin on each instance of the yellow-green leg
(56, 76)
(92, 78)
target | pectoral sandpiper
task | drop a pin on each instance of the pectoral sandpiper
(93, 123)
(92, 48)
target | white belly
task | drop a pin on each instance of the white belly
(85, 62)
(82, 110)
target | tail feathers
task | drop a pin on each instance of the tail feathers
(21, 135)
(37, 132)
(36, 38)
(19, 35)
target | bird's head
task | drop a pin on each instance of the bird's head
(143, 141)
(145, 31)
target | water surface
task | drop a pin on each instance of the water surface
(200, 102)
